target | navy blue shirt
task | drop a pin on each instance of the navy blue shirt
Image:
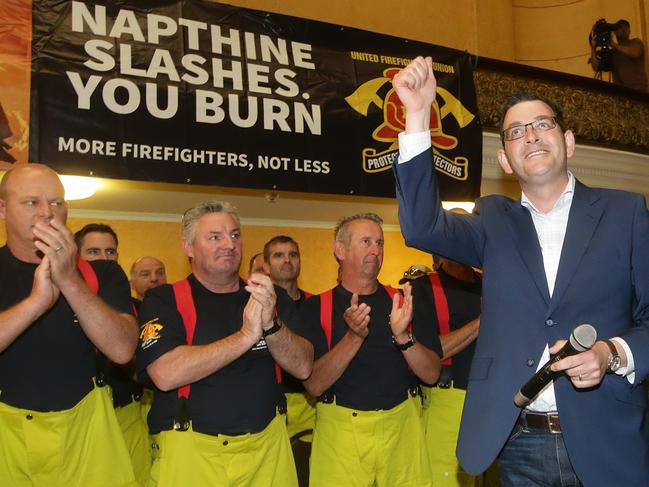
(50, 366)
(240, 398)
(290, 383)
(378, 377)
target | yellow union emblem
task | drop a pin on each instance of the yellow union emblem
(150, 333)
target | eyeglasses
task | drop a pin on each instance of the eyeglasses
(539, 125)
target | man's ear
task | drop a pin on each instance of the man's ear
(339, 250)
(504, 161)
(3, 207)
(188, 248)
(570, 142)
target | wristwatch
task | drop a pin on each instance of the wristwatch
(404, 346)
(277, 325)
(614, 359)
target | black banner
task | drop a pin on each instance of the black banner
(198, 92)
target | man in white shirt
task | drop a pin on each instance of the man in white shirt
(562, 255)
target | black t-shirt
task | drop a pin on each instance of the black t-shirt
(301, 299)
(136, 305)
(50, 366)
(120, 377)
(378, 377)
(464, 303)
(243, 396)
(290, 383)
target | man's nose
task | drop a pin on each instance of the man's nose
(45, 210)
(530, 134)
(229, 241)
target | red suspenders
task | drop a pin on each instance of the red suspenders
(392, 291)
(187, 309)
(441, 308)
(88, 274)
(326, 311)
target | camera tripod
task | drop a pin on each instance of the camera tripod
(599, 75)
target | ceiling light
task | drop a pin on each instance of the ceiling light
(79, 187)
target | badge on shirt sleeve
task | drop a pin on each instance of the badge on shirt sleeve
(150, 333)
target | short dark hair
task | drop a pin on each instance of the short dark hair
(521, 96)
(94, 227)
(252, 262)
(623, 22)
(277, 240)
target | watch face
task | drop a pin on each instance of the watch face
(615, 363)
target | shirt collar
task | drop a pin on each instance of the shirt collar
(565, 199)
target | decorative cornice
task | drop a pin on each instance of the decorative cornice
(597, 112)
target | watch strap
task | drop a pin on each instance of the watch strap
(614, 358)
(404, 346)
(277, 325)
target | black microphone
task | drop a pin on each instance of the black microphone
(581, 339)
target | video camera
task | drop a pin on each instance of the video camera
(601, 32)
(601, 35)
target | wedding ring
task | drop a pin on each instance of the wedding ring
(58, 248)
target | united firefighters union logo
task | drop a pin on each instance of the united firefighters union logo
(394, 119)
(150, 333)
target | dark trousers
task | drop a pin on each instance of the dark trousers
(534, 458)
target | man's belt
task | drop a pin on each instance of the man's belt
(183, 420)
(329, 397)
(126, 400)
(546, 422)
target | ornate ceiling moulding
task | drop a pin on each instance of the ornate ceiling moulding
(599, 113)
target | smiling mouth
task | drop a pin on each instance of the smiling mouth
(539, 152)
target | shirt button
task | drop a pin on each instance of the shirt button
(354, 414)
(29, 416)
(530, 362)
(550, 322)
(225, 443)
